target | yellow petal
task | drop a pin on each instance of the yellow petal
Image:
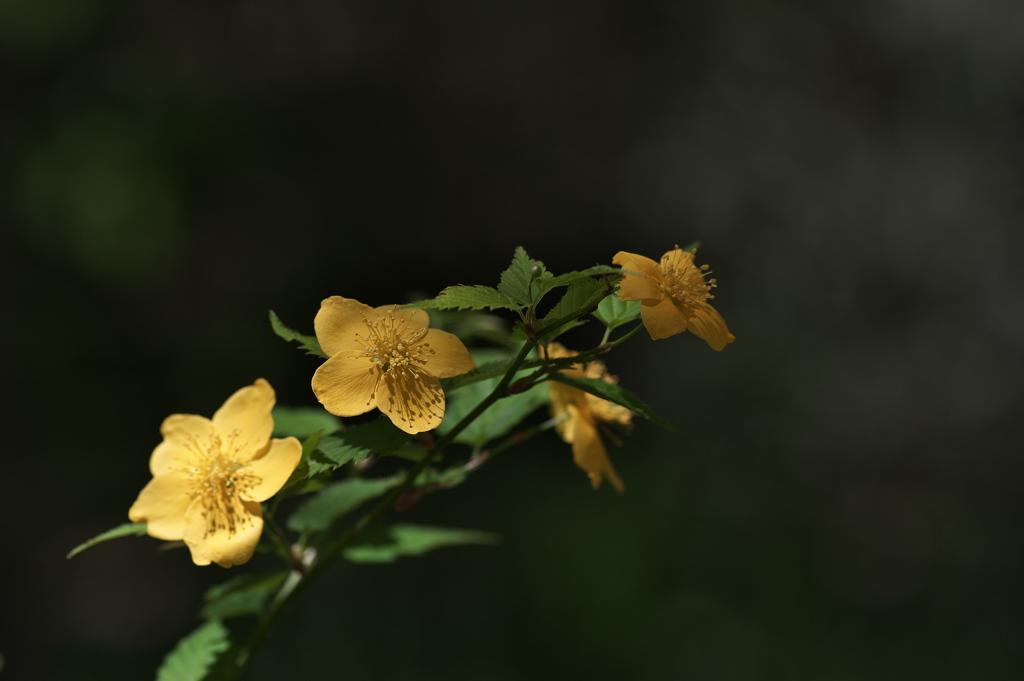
(183, 438)
(338, 320)
(245, 418)
(662, 320)
(589, 453)
(637, 263)
(561, 397)
(273, 468)
(345, 385)
(705, 321)
(450, 358)
(412, 399)
(162, 503)
(221, 546)
(678, 259)
(634, 287)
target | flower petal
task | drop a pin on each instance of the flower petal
(183, 438)
(273, 468)
(589, 453)
(339, 319)
(678, 259)
(245, 418)
(412, 399)
(637, 263)
(635, 287)
(221, 546)
(345, 385)
(450, 358)
(162, 504)
(707, 324)
(662, 320)
(561, 397)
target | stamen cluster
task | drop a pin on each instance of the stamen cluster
(686, 286)
(392, 345)
(218, 477)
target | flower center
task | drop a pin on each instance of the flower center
(393, 346)
(686, 286)
(218, 477)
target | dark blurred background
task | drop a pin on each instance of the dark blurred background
(841, 500)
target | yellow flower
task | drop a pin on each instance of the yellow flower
(210, 475)
(385, 358)
(585, 413)
(674, 296)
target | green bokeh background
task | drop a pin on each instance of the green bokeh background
(842, 498)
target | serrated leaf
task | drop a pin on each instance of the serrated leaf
(519, 331)
(571, 277)
(302, 422)
(613, 392)
(500, 418)
(613, 312)
(579, 299)
(413, 540)
(192, 658)
(310, 465)
(359, 442)
(308, 343)
(516, 281)
(126, 530)
(242, 595)
(467, 298)
(334, 501)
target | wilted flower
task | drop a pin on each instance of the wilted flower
(385, 358)
(674, 296)
(210, 475)
(585, 414)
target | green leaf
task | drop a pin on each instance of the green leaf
(126, 530)
(413, 540)
(308, 343)
(572, 277)
(467, 298)
(613, 392)
(500, 418)
(449, 477)
(302, 422)
(359, 442)
(243, 595)
(311, 464)
(192, 658)
(517, 280)
(613, 312)
(579, 299)
(313, 459)
(334, 501)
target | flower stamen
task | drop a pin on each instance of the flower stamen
(218, 477)
(686, 286)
